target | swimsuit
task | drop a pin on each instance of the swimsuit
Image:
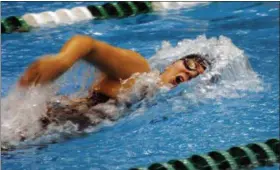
(76, 112)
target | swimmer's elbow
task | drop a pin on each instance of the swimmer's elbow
(83, 40)
(79, 37)
(146, 66)
(78, 47)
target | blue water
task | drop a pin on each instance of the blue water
(203, 126)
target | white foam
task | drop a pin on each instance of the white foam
(160, 6)
(230, 67)
(20, 112)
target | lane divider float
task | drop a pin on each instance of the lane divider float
(69, 16)
(14, 24)
(250, 156)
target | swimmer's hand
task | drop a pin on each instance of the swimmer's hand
(43, 71)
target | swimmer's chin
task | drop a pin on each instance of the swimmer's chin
(166, 85)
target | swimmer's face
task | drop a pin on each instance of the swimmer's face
(181, 71)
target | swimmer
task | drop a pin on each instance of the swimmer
(116, 65)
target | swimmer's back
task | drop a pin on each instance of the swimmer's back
(79, 112)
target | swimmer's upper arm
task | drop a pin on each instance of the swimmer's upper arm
(116, 62)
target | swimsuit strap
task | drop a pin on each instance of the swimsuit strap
(97, 97)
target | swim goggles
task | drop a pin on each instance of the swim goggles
(190, 64)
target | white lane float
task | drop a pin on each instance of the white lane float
(77, 14)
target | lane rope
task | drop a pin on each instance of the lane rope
(253, 155)
(69, 16)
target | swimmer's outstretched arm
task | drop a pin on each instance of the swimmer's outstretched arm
(116, 62)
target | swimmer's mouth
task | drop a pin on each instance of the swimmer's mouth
(174, 83)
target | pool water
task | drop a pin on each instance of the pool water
(194, 118)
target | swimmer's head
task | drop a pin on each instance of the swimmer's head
(184, 69)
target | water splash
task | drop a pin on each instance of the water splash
(163, 6)
(229, 75)
(21, 111)
(230, 69)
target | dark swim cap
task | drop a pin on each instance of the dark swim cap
(198, 58)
